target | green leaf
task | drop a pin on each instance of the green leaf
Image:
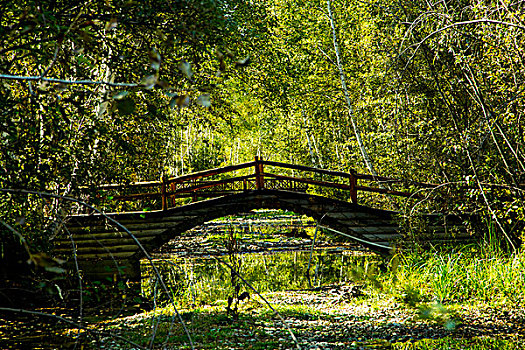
(120, 95)
(154, 59)
(204, 100)
(54, 269)
(180, 101)
(149, 81)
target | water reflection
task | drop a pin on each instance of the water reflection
(201, 281)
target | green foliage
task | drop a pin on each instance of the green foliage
(471, 274)
(85, 97)
(452, 343)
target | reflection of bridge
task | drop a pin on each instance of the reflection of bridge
(190, 200)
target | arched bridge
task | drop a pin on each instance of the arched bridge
(190, 200)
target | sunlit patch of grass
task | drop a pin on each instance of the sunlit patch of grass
(458, 275)
(298, 311)
(459, 344)
(210, 328)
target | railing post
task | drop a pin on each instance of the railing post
(194, 192)
(259, 178)
(173, 188)
(164, 180)
(353, 189)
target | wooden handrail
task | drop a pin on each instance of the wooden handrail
(210, 172)
(210, 184)
(166, 189)
(307, 168)
(346, 175)
(207, 184)
(309, 181)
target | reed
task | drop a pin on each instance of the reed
(486, 272)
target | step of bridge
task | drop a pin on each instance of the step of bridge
(82, 250)
(107, 242)
(137, 225)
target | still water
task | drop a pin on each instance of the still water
(201, 281)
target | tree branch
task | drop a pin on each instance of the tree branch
(64, 81)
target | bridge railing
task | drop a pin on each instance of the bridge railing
(256, 175)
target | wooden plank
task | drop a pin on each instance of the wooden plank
(102, 256)
(103, 241)
(83, 251)
(382, 237)
(351, 215)
(131, 227)
(106, 228)
(109, 235)
(369, 222)
(372, 229)
(390, 244)
(148, 218)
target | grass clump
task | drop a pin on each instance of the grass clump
(470, 273)
(458, 344)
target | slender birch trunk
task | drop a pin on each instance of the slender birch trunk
(357, 133)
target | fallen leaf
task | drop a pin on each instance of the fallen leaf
(154, 59)
(180, 101)
(120, 95)
(112, 24)
(185, 68)
(244, 62)
(204, 100)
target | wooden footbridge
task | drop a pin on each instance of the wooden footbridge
(181, 203)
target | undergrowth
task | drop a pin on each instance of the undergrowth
(475, 273)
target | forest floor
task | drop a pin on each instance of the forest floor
(325, 318)
(331, 318)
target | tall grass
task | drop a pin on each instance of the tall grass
(456, 344)
(483, 272)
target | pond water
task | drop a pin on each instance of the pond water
(201, 281)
